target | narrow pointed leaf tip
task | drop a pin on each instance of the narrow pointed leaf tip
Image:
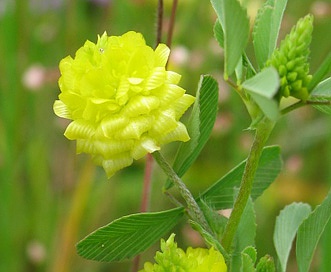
(122, 101)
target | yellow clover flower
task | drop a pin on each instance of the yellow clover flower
(122, 102)
(173, 259)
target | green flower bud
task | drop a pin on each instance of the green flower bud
(291, 60)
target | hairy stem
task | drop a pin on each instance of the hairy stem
(262, 133)
(193, 209)
(304, 103)
(159, 22)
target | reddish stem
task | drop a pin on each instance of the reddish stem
(145, 198)
(172, 23)
(147, 183)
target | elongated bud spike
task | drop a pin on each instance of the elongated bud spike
(291, 60)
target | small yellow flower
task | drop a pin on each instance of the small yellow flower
(173, 259)
(122, 102)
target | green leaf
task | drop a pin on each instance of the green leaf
(221, 194)
(209, 239)
(131, 235)
(322, 71)
(215, 221)
(248, 259)
(287, 224)
(200, 125)
(326, 249)
(322, 92)
(218, 33)
(262, 88)
(246, 232)
(266, 29)
(323, 89)
(128, 235)
(245, 236)
(310, 232)
(235, 24)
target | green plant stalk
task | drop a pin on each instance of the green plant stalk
(193, 208)
(263, 130)
(301, 103)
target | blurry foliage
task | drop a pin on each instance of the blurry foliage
(50, 198)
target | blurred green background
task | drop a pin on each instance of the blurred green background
(50, 198)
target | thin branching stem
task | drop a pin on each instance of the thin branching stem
(236, 88)
(301, 103)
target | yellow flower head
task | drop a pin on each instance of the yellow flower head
(193, 260)
(121, 100)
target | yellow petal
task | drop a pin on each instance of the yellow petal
(161, 55)
(156, 79)
(85, 146)
(110, 148)
(122, 92)
(135, 80)
(178, 134)
(140, 105)
(169, 93)
(172, 77)
(164, 123)
(133, 38)
(146, 145)
(61, 109)
(182, 104)
(135, 128)
(112, 124)
(79, 129)
(113, 165)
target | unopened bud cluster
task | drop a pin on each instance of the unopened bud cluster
(291, 60)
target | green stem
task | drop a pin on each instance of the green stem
(193, 209)
(262, 133)
(305, 103)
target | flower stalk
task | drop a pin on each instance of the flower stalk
(262, 133)
(193, 208)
